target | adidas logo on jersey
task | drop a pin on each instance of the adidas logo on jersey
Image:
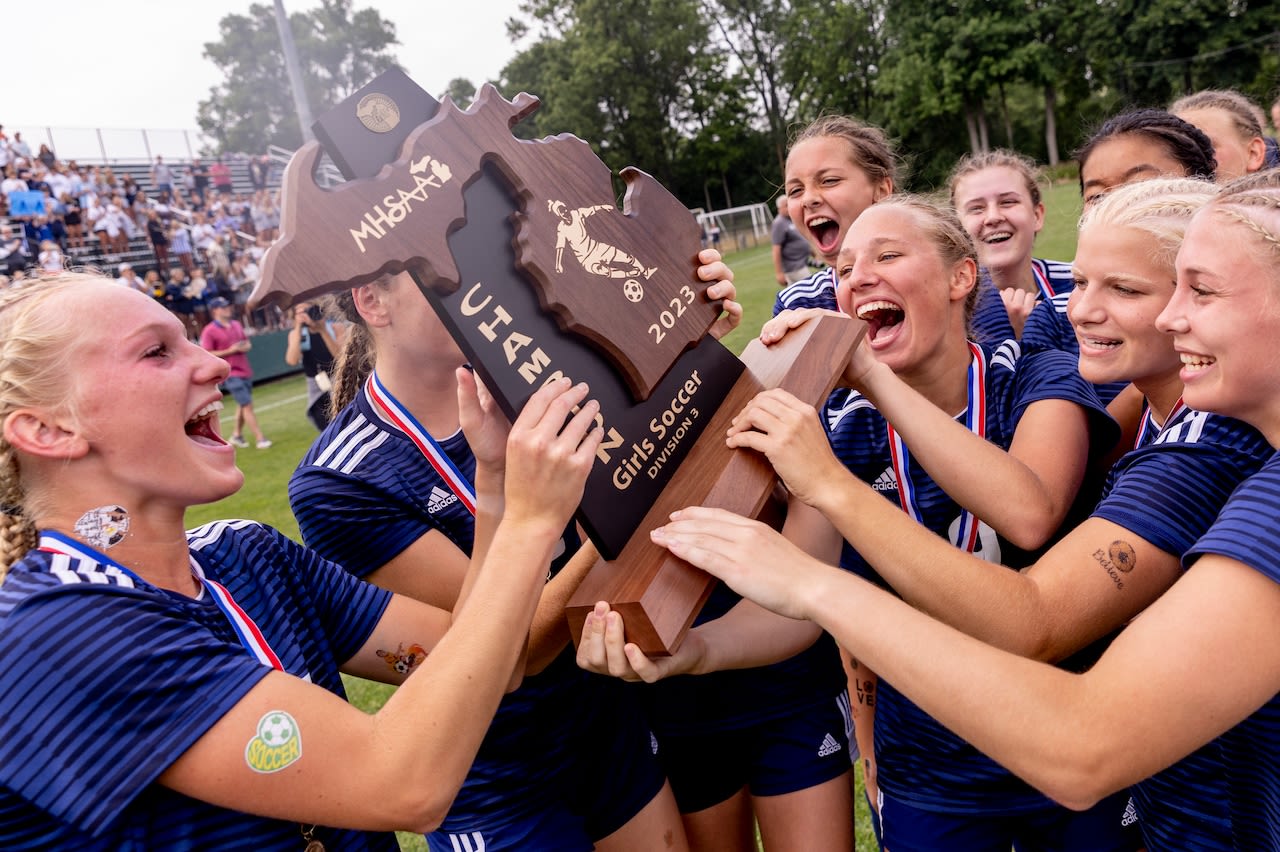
(653, 743)
(886, 481)
(1130, 814)
(829, 746)
(440, 499)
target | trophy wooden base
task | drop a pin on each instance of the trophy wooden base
(659, 595)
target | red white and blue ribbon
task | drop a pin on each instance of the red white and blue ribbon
(975, 419)
(246, 630)
(1146, 424)
(399, 416)
(1042, 278)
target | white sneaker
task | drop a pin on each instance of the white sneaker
(263, 444)
(239, 441)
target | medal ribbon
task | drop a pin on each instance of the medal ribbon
(1145, 424)
(400, 417)
(246, 630)
(975, 420)
(1042, 279)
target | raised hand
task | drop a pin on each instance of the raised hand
(483, 423)
(1018, 304)
(548, 459)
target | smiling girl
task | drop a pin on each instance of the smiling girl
(1145, 703)
(981, 447)
(836, 168)
(997, 196)
(188, 683)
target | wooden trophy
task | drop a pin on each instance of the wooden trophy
(520, 249)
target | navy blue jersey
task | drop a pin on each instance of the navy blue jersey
(816, 291)
(1207, 455)
(1247, 532)
(920, 761)
(362, 494)
(109, 679)
(990, 322)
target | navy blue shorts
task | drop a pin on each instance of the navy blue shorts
(240, 388)
(608, 773)
(618, 768)
(550, 829)
(803, 749)
(1108, 826)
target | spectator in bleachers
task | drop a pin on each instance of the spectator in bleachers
(59, 182)
(46, 156)
(203, 233)
(220, 176)
(130, 189)
(11, 182)
(217, 257)
(198, 294)
(267, 220)
(259, 172)
(129, 278)
(162, 176)
(154, 284)
(158, 236)
(199, 182)
(51, 259)
(179, 303)
(20, 147)
(180, 244)
(72, 219)
(14, 253)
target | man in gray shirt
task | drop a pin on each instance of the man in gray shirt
(790, 250)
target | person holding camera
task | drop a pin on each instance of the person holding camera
(313, 342)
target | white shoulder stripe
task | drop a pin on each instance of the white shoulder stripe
(71, 571)
(1007, 355)
(807, 287)
(853, 403)
(338, 456)
(340, 440)
(205, 535)
(361, 451)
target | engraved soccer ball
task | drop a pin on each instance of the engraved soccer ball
(632, 290)
(276, 729)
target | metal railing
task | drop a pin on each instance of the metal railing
(103, 145)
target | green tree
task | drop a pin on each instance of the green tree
(338, 50)
(460, 90)
(617, 73)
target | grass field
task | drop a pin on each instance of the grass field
(281, 404)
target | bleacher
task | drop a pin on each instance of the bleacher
(139, 253)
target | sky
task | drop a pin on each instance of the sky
(147, 69)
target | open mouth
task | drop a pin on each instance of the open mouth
(995, 239)
(879, 316)
(826, 232)
(203, 426)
